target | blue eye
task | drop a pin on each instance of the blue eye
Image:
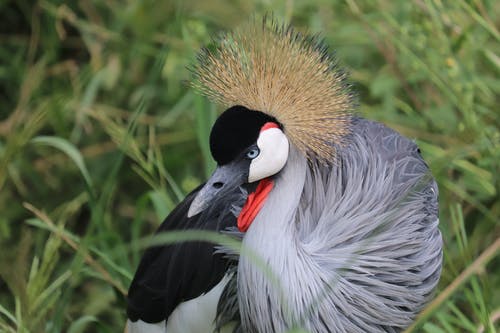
(253, 153)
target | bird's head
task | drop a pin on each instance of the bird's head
(284, 91)
(252, 140)
(249, 147)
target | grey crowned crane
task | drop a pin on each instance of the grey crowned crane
(342, 211)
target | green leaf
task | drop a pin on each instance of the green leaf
(162, 203)
(71, 151)
(431, 328)
(79, 325)
(7, 314)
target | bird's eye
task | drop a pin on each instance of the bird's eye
(253, 153)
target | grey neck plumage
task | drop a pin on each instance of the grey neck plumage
(271, 238)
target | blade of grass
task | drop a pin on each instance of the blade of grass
(474, 268)
(94, 264)
(7, 314)
(72, 152)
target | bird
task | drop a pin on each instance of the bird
(337, 214)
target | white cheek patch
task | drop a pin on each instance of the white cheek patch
(273, 146)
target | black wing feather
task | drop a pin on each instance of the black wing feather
(170, 274)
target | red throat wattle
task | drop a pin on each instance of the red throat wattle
(254, 203)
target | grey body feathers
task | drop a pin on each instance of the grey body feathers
(354, 247)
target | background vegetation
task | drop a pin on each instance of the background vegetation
(100, 137)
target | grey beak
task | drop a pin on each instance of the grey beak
(225, 178)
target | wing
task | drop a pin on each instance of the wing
(170, 274)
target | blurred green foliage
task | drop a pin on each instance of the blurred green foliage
(100, 136)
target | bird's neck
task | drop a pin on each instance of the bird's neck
(272, 243)
(277, 216)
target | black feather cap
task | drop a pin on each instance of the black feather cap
(235, 130)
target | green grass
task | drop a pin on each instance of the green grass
(101, 136)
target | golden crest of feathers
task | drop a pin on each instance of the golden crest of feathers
(290, 76)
